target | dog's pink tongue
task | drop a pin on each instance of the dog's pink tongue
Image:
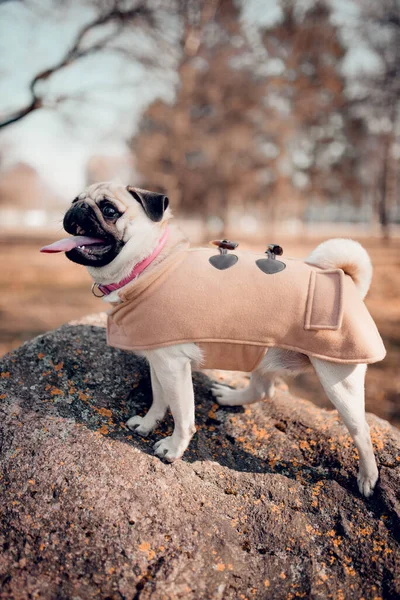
(69, 243)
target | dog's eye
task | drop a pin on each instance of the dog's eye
(109, 211)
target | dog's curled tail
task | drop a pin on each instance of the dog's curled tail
(347, 255)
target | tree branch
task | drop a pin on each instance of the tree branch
(17, 116)
(76, 52)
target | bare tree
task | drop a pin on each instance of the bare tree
(241, 136)
(114, 18)
(379, 102)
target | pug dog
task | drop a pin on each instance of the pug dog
(119, 234)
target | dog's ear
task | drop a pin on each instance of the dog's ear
(154, 204)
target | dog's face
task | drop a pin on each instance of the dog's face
(113, 214)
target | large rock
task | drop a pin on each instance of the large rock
(263, 505)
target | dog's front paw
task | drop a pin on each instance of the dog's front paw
(367, 482)
(141, 425)
(170, 448)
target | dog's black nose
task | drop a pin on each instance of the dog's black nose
(77, 220)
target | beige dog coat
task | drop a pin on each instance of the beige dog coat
(236, 314)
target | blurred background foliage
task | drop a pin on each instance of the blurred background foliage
(285, 109)
(264, 120)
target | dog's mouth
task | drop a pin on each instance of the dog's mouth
(95, 252)
(92, 243)
(86, 250)
(84, 243)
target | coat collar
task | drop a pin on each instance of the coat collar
(105, 290)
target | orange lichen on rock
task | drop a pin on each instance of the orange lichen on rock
(56, 392)
(103, 430)
(145, 548)
(304, 445)
(316, 492)
(105, 412)
(259, 433)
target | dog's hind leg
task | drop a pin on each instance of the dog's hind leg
(260, 387)
(275, 362)
(145, 425)
(344, 386)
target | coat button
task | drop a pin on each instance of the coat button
(225, 244)
(275, 249)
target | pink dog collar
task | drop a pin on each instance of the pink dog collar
(137, 269)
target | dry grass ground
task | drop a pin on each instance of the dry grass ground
(40, 292)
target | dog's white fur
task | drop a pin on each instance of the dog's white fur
(171, 367)
(347, 255)
(140, 237)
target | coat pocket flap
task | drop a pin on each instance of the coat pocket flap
(324, 308)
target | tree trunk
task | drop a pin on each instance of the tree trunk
(383, 196)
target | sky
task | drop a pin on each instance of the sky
(53, 140)
(58, 142)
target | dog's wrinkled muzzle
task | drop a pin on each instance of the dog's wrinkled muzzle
(81, 219)
(90, 244)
